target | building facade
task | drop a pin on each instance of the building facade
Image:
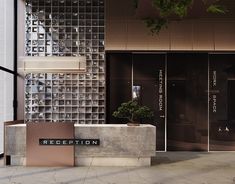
(185, 74)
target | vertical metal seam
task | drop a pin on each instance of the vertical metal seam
(166, 102)
(132, 76)
(208, 103)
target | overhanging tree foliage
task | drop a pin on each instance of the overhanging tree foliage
(179, 9)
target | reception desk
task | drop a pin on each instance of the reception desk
(120, 145)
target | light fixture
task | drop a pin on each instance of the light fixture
(53, 64)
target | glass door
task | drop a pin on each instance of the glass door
(222, 102)
(148, 86)
(187, 102)
(119, 68)
(141, 77)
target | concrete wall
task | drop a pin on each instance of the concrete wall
(120, 145)
(126, 32)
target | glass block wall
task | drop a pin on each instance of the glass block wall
(66, 28)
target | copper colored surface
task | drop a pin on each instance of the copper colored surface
(37, 155)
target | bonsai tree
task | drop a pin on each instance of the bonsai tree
(133, 112)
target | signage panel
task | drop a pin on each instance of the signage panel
(56, 155)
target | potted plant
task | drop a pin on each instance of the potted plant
(133, 112)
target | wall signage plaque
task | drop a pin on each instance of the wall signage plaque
(69, 142)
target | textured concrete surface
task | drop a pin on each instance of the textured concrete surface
(107, 161)
(168, 168)
(117, 140)
(15, 140)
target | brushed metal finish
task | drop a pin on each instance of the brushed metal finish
(37, 155)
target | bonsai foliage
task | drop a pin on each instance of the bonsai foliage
(178, 8)
(133, 112)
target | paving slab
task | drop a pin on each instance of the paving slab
(167, 168)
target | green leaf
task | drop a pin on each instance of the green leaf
(132, 111)
(217, 9)
(155, 25)
(178, 8)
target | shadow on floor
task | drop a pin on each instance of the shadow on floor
(173, 157)
(1, 162)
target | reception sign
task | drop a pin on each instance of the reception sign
(56, 155)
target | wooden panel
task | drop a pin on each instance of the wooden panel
(38, 155)
(119, 10)
(126, 30)
(181, 35)
(138, 36)
(160, 41)
(225, 35)
(203, 35)
(116, 35)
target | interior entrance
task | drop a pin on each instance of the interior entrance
(222, 102)
(139, 76)
(187, 106)
(192, 96)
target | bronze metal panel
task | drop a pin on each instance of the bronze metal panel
(38, 155)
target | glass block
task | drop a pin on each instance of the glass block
(68, 22)
(61, 17)
(95, 16)
(81, 9)
(41, 15)
(40, 49)
(94, 36)
(55, 36)
(55, 9)
(82, 22)
(41, 2)
(95, 2)
(88, 3)
(74, 2)
(101, 2)
(48, 2)
(28, 10)
(35, 10)
(74, 22)
(101, 17)
(81, 16)
(48, 22)
(68, 3)
(67, 28)
(55, 2)
(88, 9)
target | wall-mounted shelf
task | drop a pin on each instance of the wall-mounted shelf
(54, 64)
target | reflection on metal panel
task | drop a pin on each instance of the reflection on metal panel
(49, 155)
